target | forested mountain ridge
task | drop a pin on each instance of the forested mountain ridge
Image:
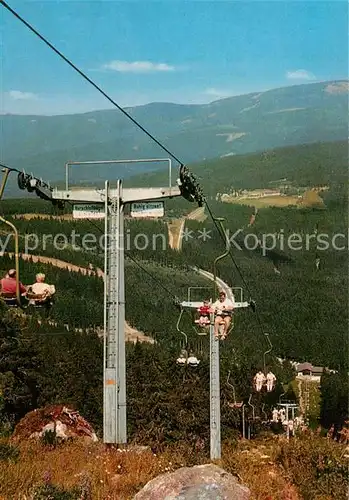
(236, 125)
(321, 163)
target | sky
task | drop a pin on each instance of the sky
(181, 51)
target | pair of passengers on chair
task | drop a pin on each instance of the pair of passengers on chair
(222, 309)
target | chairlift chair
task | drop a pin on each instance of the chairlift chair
(253, 407)
(39, 300)
(10, 299)
(235, 404)
(193, 360)
(183, 358)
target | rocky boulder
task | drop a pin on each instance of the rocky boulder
(202, 482)
(65, 422)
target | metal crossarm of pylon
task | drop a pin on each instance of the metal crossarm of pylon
(196, 305)
(128, 195)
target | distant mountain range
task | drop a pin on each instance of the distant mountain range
(236, 125)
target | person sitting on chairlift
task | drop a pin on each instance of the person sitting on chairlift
(270, 381)
(223, 308)
(8, 284)
(259, 380)
(204, 312)
(42, 290)
(275, 414)
(192, 360)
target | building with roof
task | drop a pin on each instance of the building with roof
(307, 370)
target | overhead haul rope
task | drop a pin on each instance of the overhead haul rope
(223, 236)
(81, 73)
(156, 280)
(101, 91)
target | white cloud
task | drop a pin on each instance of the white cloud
(17, 95)
(300, 74)
(218, 93)
(137, 66)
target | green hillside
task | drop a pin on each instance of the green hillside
(303, 309)
(321, 163)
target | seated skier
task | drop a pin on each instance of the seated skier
(223, 308)
(204, 312)
(40, 292)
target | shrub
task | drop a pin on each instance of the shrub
(9, 452)
(315, 467)
(54, 492)
(49, 438)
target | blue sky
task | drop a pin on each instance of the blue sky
(169, 51)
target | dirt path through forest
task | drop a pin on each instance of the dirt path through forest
(176, 227)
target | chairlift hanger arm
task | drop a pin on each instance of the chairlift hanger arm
(15, 231)
(233, 389)
(220, 257)
(178, 328)
(268, 351)
(6, 171)
(252, 406)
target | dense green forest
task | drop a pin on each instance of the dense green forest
(303, 309)
(166, 403)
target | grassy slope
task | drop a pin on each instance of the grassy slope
(271, 468)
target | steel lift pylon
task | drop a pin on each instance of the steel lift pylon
(114, 201)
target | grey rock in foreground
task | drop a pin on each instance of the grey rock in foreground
(202, 482)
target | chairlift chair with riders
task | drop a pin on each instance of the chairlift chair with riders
(224, 327)
(18, 300)
(184, 358)
(264, 378)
